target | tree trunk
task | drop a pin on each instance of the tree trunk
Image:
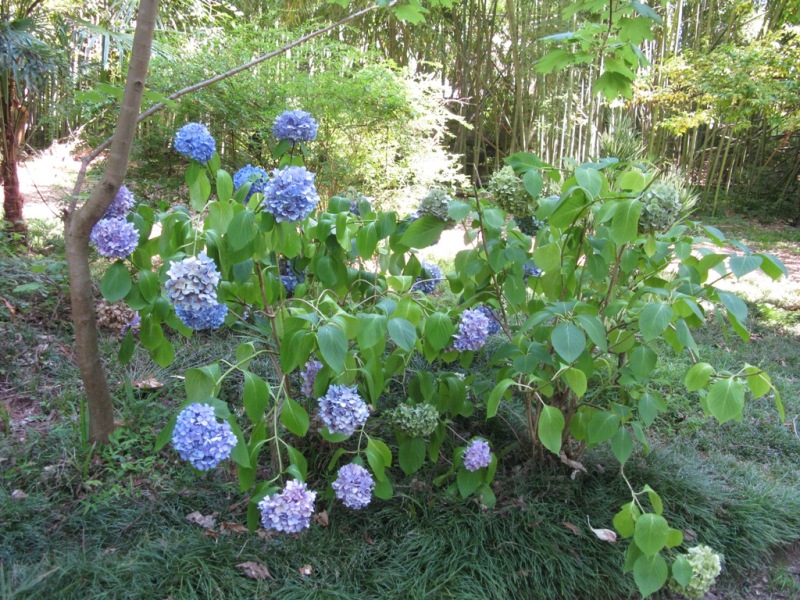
(14, 119)
(78, 225)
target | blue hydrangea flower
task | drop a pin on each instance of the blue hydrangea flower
(477, 455)
(121, 205)
(342, 409)
(295, 125)
(472, 331)
(291, 280)
(429, 279)
(289, 511)
(531, 270)
(133, 325)
(494, 319)
(114, 238)
(249, 173)
(194, 141)
(290, 195)
(211, 316)
(200, 438)
(309, 375)
(353, 486)
(192, 283)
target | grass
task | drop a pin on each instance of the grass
(111, 522)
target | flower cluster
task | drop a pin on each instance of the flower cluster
(121, 205)
(291, 510)
(429, 279)
(290, 195)
(529, 269)
(353, 486)
(661, 206)
(291, 280)
(210, 316)
(509, 193)
(194, 141)
(192, 283)
(477, 455)
(472, 331)
(296, 126)
(494, 320)
(706, 566)
(418, 420)
(435, 203)
(114, 237)
(256, 176)
(199, 438)
(342, 409)
(309, 375)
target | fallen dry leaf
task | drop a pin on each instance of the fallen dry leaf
(368, 538)
(573, 463)
(321, 518)
(207, 521)
(9, 307)
(254, 570)
(148, 383)
(573, 528)
(306, 570)
(604, 534)
(18, 495)
(232, 527)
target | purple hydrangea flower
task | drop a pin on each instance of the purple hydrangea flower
(291, 280)
(477, 455)
(199, 438)
(249, 173)
(289, 511)
(121, 205)
(290, 195)
(353, 486)
(429, 279)
(342, 409)
(210, 316)
(192, 283)
(531, 270)
(309, 375)
(472, 330)
(133, 325)
(491, 314)
(295, 125)
(194, 141)
(114, 238)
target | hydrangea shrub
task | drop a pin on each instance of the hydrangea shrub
(585, 304)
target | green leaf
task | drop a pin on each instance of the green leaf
(613, 85)
(625, 520)
(411, 454)
(651, 533)
(468, 481)
(242, 229)
(650, 574)
(403, 333)
(698, 376)
(772, 266)
(650, 404)
(674, 538)
(220, 215)
(594, 329)
(757, 380)
(199, 384)
(643, 361)
(726, 399)
(116, 282)
(224, 186)
(165, 436)
(625, 222)
(199, 190)
(646, 11)
(682, 570)
(332, 343)
(576, 380)
(367, 241)
(554, 60)
(371, 330)
(423, 232)
(550, 428)
(458, 211)
(379, 458)
(497, 394)
(569, 341)
(654, 319)
(255, 397)
(602, 427)
(297, 459)
(742, 264)
(734, 304)
(632, 181)
(590, 180)
(438, 330)
(532, 180)
(412, 13)
(294, 417)
(622, 445)
(383, 489)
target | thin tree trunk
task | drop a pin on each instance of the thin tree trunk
(14, 119)
(78, 225)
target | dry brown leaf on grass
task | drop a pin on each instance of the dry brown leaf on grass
(573, 528)
(148, 383)
(306, 570)
(18, 495)
(604, 534)
(226, 527)
(321, 518)
(207, 521)
(254, 570)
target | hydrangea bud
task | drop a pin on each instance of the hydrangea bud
(472, 331)
(114, 238)
(211, 316)
(429, 279)
(661, 206)
(477, 455)
(706, 567)
(194, 141)
(289, 511)
(509, 193)
(353, 486)
(200, 439)
(296, 126)
(309, 375)
(290, 195)
(255, 175)
(418, 420)
(435, 203)
(342, 409)
(192, 283)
